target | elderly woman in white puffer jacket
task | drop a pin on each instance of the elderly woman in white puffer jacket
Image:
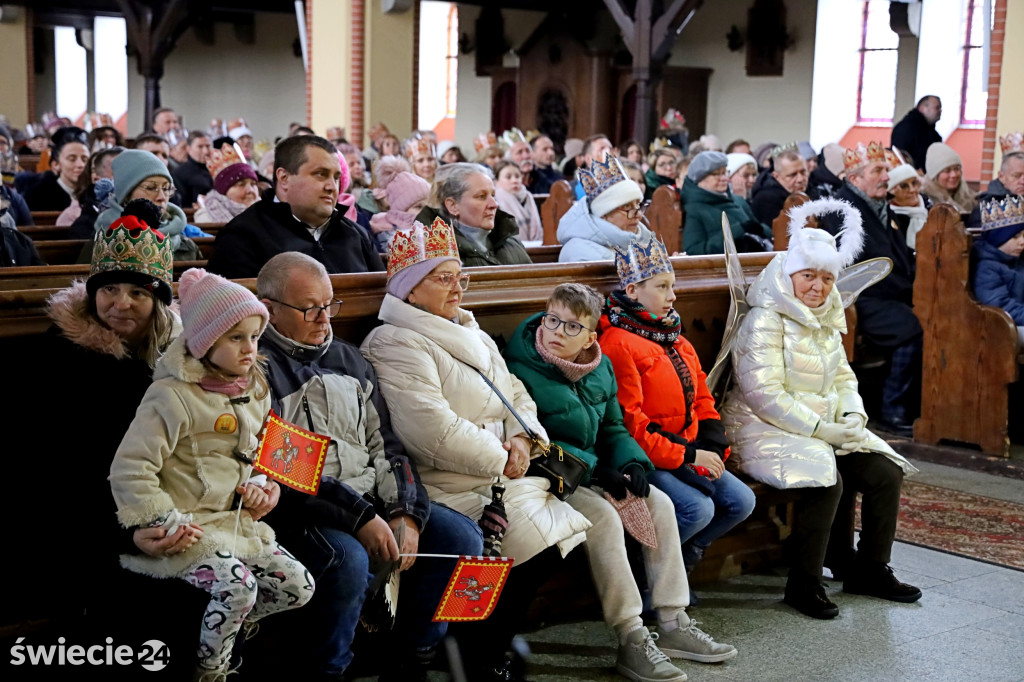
(429, 355)
(795, 420)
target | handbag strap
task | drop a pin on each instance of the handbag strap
(531, 434)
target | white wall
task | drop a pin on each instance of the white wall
(940, 58)
(761, 108)
(836, 68)
(263, 82)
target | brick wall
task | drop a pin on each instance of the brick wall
(995, 73)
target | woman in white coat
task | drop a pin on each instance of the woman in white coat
(795, 419)
(428, 356)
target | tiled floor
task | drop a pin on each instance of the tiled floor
(969, 626)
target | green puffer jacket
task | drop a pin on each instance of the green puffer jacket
(702, 232)
(503, 245)
(583, 418)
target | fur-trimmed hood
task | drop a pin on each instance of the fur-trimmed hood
(176, 362)
(69, 310)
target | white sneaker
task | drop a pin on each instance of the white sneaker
(641, 660)
(694, 644)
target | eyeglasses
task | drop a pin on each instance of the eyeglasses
(150, 188)
(312, 313)
(635, 210)
(907, 186)
(553, 322)
(448, 279)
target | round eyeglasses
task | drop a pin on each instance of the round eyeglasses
(553, 322)
(312, 313)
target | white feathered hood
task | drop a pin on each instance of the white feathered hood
(815, 249)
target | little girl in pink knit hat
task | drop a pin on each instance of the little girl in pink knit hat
(407, 194)
(187, 454)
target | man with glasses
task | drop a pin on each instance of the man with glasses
(299, 213)
(371, 511)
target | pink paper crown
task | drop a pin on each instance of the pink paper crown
(418, 145)
(1012, 142)
(485, 140)
(857, 157)
(420, 243)
(227, 155)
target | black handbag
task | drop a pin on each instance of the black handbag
(564, 469)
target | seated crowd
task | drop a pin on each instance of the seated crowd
(427, 414)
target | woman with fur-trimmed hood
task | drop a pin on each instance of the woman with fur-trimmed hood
(795, 419)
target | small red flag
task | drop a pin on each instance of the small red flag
(291, 455)
(473, 590)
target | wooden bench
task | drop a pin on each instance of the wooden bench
(970, 350)
(558, 202)
(665, 216)
(780, 226)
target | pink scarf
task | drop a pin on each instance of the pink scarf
(232, 389)
(349, 202)
(585, 363)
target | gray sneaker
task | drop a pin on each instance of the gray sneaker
(694, 644)
(641, 660)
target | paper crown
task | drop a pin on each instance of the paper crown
(641, 261)
(511, 137)
(997, 213)
(782, 148)
(227, 155)
(659, 143)
(672, 120)
(1012, 142)
(857, 157)
(378, 132)
(894, 158)
(600, 176)
(129, 245)
(485, 140)
(420, 243)
(416, 146)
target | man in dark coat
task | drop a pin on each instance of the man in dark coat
(544, 172)
(787, 174)
(300, 213)
(193, 178)
(916, 131)
(1009, 181)
(885, 314)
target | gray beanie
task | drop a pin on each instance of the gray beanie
(704, 163)
(131, 167)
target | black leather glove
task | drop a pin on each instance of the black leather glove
(638, 483)
(613, 482)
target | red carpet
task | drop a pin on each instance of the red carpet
(961, 523)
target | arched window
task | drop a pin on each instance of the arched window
(876, 86)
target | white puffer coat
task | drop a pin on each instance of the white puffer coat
(790, 371)
(453, 425)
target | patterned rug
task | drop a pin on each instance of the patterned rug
(960, 523)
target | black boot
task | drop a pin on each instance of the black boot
(877, 580)
(807, 595)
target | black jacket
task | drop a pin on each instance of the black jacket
(17, 249)
(541, 179)
(268, 228)
(822, 183)
(915, 134)
(16, 206)
(192, 179)
(503, 245)
(995, 190)
(47, 195)
(885, 312)
(767, 197)
(293, 370)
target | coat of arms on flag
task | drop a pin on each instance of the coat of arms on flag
(291, 455)
(473, 590)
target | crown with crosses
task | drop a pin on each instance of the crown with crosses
(485, 140)
(600, 176)
(1012, 142)
(511, 137)
(416, 146)
(857, 157)
(420, 243)
(641, 261)
(782, 148)
(227, 155)
(1005, 212)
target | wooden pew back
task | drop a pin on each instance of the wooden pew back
(780, 226)
(970, 350)
(666, 218)
(558, 202)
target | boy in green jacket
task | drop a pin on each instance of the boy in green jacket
(556, 355)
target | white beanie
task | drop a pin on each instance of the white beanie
(737, 161)
(607, 186)
(901, 174)
(938, 158)
(815, 249)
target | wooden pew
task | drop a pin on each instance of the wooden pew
(970, 350)
(67, 251)
(45, 217)
(558, 202)
(780, 226)
(38, 233)
(666, 218)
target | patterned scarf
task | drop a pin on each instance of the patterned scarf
(630, 315)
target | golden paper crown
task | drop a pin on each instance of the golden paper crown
(485, 140)
(227, 155)
(857, 157)
(641, 261)
(420, 243)
(894, 158)
(1013, 142)
(418, 145)
(659, 143)
(377, 133)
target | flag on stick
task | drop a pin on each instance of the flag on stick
(473, 590)
(291, 455)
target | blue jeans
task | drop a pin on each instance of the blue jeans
(421, 588)
(703, 518)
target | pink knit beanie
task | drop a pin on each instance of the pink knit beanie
(210, 306)
(405, 189)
